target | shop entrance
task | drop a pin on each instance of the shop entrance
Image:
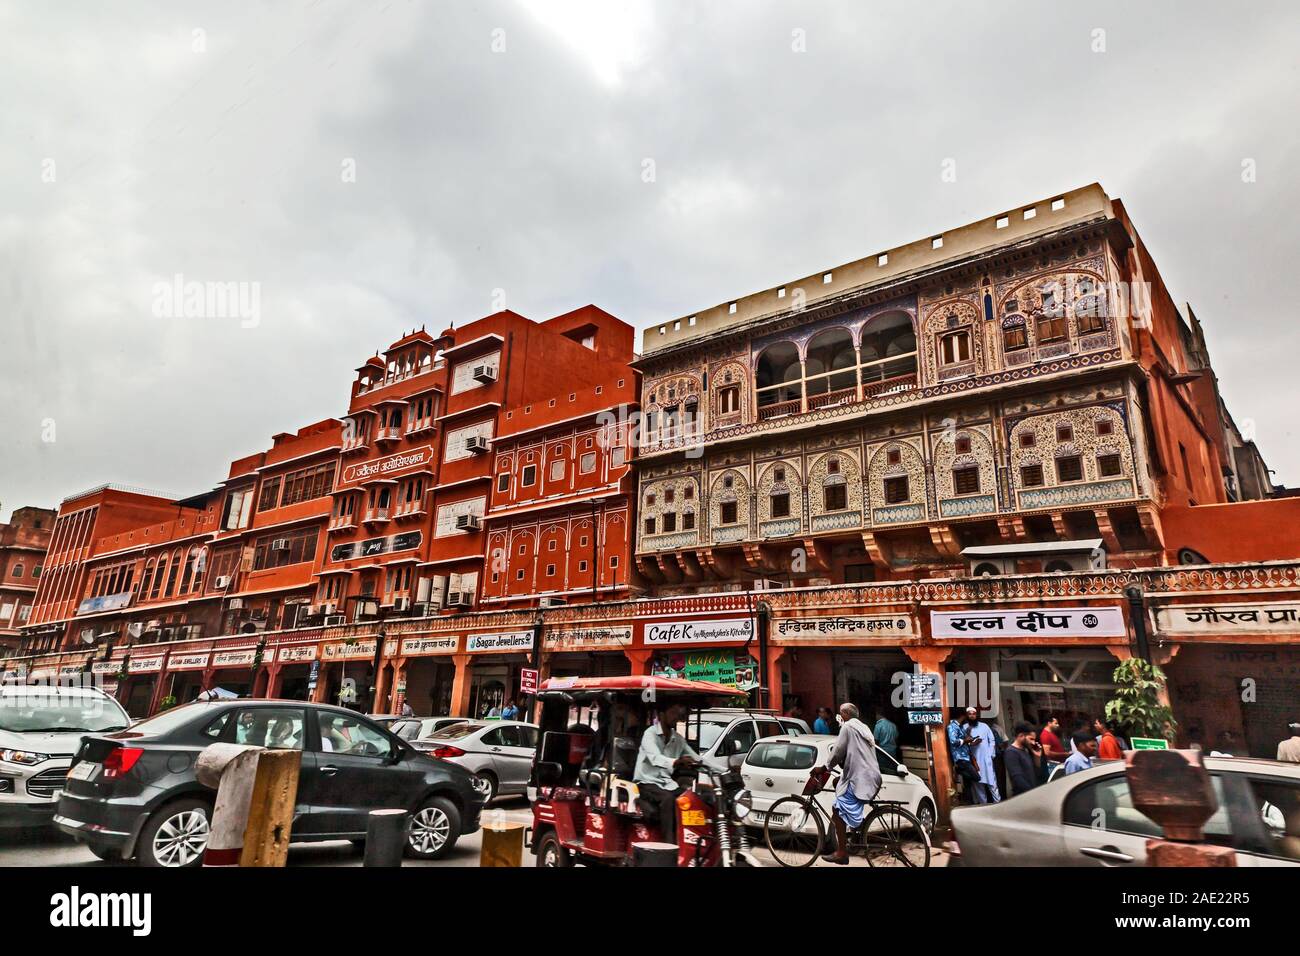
(293, 681)
(868, 679)
(1074, 685)
(429, 683)
(590, 664)
(490, 689)
(138, 696)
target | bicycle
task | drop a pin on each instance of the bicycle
(795, 829)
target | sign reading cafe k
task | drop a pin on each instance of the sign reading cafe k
(700, 632)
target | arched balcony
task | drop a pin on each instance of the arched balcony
(779, 380)
(888, 354)
(831, 369)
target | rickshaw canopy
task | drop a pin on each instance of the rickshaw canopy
(586, 688)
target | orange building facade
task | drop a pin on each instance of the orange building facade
(801, 492)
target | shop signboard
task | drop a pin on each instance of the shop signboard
(700, 632)
(291, 655)
(1100, 622)
(144, 665)
(188, 662)
(418, 646)
(234, 658)
(728, 668)
(512, 642)
(1244, 618)
(843, 628)
(587, 638)
(923, 691)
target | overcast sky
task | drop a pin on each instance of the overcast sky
(375, 167)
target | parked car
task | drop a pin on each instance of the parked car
(1088, 819)
(40, 729)
(133, 794)
(778, 767)
(500, 752)
(414, 728)
(720, 733)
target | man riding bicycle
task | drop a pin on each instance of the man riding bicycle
(855, 752)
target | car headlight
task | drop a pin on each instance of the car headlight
(742, 805)
(28, 758)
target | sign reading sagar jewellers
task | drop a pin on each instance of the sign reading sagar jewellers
(700, 632)
(382, 467)
(1105, 622)
(514, 641)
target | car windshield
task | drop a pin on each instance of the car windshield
(50, 711)
(455, 731)
(703, 733)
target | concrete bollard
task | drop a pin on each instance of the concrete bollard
(1173, 788)
(503, 842)
(257, 790)
(231, 770)
(270, 814)
(385, 837)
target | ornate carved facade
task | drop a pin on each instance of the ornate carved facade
(992, 394)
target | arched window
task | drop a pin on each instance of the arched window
(778, 375)
(1055, 566)
(1015, 336)
(986, 569)
(888, 348)
(832, 363)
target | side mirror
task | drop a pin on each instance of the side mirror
(901, 771)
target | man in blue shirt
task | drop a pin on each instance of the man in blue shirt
(886, 734)
(1085, 745)
(822, 725)
(663, 752)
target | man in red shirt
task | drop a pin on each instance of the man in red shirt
(1050, 739)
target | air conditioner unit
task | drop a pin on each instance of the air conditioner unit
(485, 373)
(767, 584)
(552, 602)
(280, 544)
(476, 444)
(328, 607)
(470, 522)
(402, 604)
(310, 610)
(222, 582)
(333, 620)
(135, 628)
(236, 604)
(459, 599)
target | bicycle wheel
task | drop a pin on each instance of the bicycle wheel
(892, 836)
(794, 832)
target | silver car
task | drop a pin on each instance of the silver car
(1088, 819)
(417, 728)
(499, 751)
(40, 729)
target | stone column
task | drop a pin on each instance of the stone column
(931, 660)
(771, 677)
(461, 685)
(640, 658)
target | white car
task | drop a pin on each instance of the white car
(417, 728)
(500, 752)
(720, 733)
(40, 729)
(778, 767)
(1088, 819)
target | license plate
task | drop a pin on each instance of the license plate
(82, 771)
(693, 818)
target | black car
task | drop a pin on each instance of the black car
(134, 794)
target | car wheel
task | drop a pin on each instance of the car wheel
(176, 835)
(925, 813)
(492, 785)
(551, 853)
(433, 830)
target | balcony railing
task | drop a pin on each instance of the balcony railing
(390, 433)
(888, 386)
(779, 410)
(342, 522)
(376, 515)
(840, 396)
